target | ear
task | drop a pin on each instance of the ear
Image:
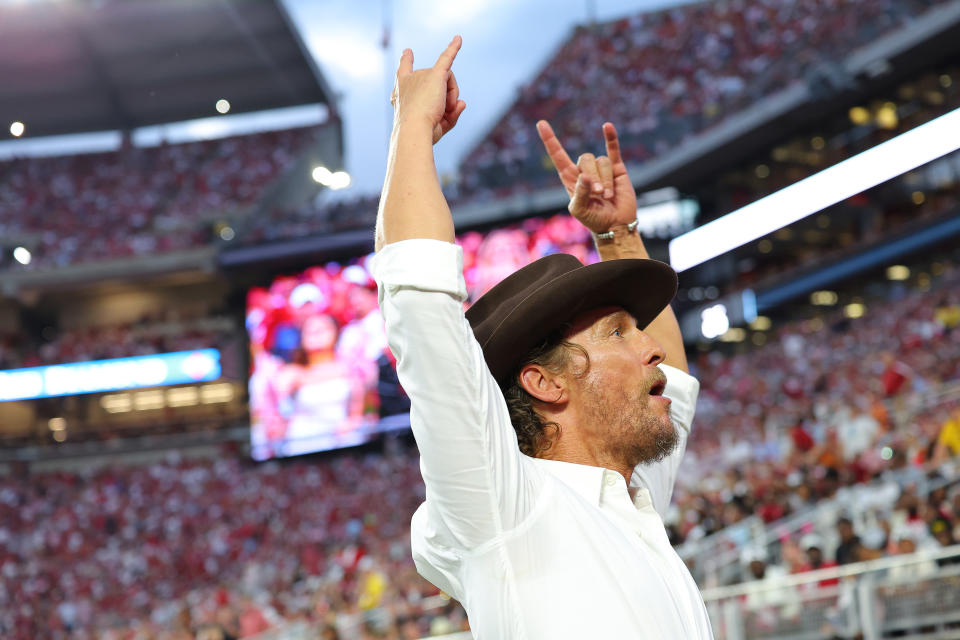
(543, 385)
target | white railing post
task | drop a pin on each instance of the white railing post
(866, 609)
(733, 620)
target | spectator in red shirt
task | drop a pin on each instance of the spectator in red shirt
(812, 546)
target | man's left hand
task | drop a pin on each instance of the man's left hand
(601, 194)
(429, 95)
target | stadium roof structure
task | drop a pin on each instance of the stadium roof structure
(95, 65)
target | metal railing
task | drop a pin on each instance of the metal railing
(915, 595)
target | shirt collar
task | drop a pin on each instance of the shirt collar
(584, 479)
(590, 481)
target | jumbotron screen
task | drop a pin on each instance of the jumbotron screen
(322, 376)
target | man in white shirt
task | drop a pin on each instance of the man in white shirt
(550, 419)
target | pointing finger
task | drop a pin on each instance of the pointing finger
(445, 61)
(565, 167)
(613, 143)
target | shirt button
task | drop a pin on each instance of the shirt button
(611, 480)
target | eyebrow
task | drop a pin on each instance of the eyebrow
(617, 317)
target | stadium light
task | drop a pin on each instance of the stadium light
(322, 175)
(22, 255)
(148, 400)
(17, 128)
(854, 310)
(898, 272)
(824, 298)
(96, 376)
(733, 334)
(216, 393)
(714, 322)
(331, 179)
(887, 160)
(117, 403)
(339, 180)
(182, 397)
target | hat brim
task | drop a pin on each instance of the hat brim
(642, 287)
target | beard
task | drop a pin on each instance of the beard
(634, 430)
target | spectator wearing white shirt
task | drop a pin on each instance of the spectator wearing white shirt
(543, 510)
(907, 545)
(764, 601)
(857, 433)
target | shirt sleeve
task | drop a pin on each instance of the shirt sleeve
(658, 477)
(477, 480)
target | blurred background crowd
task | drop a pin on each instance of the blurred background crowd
(828, 424)
(641, 70)
(123, 549)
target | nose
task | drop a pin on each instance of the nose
(651, 351)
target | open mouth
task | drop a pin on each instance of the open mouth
(657, 388)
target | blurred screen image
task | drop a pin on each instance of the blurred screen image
(322, 376)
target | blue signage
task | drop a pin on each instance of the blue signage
(110, 375)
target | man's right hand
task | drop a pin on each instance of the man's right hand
(428, 96)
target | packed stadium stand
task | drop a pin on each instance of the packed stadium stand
(824, 403)
(750, 54)
(752, 51)
(643, 73)
(173, 544)
(820, 493)
(137, 201)
(144, 337)
(327, 542)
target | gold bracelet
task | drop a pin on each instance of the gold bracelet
(608, 235)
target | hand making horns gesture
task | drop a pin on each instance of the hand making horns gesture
(601, 194)
(429, 95)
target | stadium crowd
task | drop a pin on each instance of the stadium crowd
(139, 200)
(317, 217)
(643, 73)
(829, 404)
(872, 213)
(915, 198)
(821, 408)
(148, 336)
(127, 552)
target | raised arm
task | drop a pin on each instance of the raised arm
(471, 465)
(603, 199)
(426, 105)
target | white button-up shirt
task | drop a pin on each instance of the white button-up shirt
(532, 548)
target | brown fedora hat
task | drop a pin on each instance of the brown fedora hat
(522, 310)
